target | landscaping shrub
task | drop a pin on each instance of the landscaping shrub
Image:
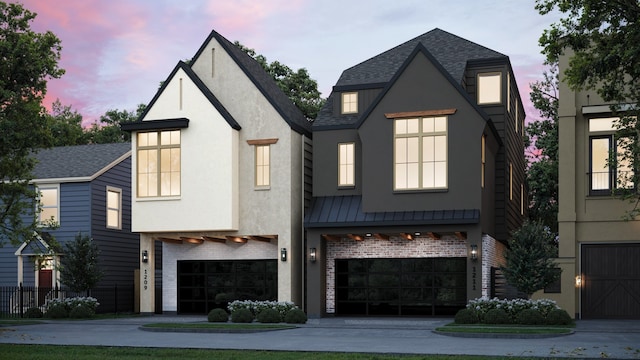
(33, 313)
(256, 307)
(81, 312)
(295, 316)
(57, 311)
(467, 316)
(558, 317)
(496, 316)
(218, 315)
(530, 317)
(242, 316)
(269, 316)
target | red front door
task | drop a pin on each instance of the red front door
(45, 279)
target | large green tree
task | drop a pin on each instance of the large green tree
(542, 142)
(107, 129)
(298, 85)
(604, 37)
(80, 270)
(65, 125)
(28, 60)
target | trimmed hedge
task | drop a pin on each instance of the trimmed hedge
(518, 311)
(269, 316)
(218, 315)
(295, 316)
(467, 316)
(242, 316)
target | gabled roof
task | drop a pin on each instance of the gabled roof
(140, 125)
(448, 52)
(78, 163)
(340, 211)
(263, 82)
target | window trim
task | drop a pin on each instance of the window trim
(111, 189)
(353, 103)
(158, 147)
(489, 74)
(259, 143)
(39, 205)
(350, 164)
(258, 164)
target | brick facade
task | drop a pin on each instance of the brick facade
(492, 256)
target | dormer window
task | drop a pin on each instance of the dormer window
(349, 103)
(489, 88)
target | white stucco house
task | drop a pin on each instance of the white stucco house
(221, 161)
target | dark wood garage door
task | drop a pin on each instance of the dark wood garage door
(611, 281)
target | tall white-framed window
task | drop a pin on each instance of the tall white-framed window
(114, 208)
(349, 102)
(346, 164)
(158, 163)
(49, 204)
(263, 165)
(420, 153)
(489, 88)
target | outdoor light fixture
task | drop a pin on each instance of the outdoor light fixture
(283, 254)
(312, 254)
(474, 252)
(145, 256)
(578, 281)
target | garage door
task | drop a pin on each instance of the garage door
(206, 285)
(611, 281)
(401, 287)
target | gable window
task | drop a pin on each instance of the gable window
(158, 157)
(420, 153)
(49, 201)
(489, 88)
(114, 208)
(349, 103)
(346, 164)
(262, 162)
(608, 170)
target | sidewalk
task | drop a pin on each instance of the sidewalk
(592, 339)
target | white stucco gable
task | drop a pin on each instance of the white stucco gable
(208, 197)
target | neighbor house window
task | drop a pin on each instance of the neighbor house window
(262, 162)
(608, 169)
(346, 168)
(489, 88)
(114, 208)
(49, 201)
(350, 103)
(420, 153)
(158, 157)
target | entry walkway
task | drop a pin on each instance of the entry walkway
(592, 339)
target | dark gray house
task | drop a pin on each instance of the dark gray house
(85, 189)
(418, 179)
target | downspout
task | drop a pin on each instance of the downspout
(302, 237)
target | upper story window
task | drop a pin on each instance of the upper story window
(114, 208)
(489, 88)
(346, 164)
(349, 103)
(158, 156)
(420, 153)
(49, 202)
(608, 169)
(262, 162)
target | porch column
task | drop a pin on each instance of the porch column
(147, 275)
(20, 270)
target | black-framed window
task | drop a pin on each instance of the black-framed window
(609, 169)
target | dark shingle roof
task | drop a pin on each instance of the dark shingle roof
(450, 51)
(340, 211)
(82, 161)
(265, 83)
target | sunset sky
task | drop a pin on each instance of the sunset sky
(117, 52)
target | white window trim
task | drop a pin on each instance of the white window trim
(49, 186)
(119, 209)
(489, 74)
(342, 103)
(159, 147)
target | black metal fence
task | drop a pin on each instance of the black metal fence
(15, 300)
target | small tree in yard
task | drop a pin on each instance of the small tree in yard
(80, 271)
(529, 258)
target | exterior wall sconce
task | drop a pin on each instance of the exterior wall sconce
(283, 254)
(312, 255)
(578, 281)
(474, 252)
(145, 256)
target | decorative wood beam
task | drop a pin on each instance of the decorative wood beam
(434, 235)
(262, 141)
(259, 238)
(462, 235)
(330, 237)
(169, 240)
(423, 113)
(407, 236)
(218, 239)
(381, 236)
(192, 240)
(356, 237)
(237, 239)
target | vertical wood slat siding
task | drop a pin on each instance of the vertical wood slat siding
(118, 248)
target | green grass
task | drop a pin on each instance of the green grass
(55, 352)
(14, 322)
(219, 326)
(506, 329)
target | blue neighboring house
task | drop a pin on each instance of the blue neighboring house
(85, 189)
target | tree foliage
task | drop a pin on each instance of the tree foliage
(65, 125)
(529, 259)
(301, 89)
(80, 270)
(107, 129)
(29, 59)
(542, 140)
(605, 39)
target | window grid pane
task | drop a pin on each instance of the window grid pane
(158, 167)
(48, 204)
(262, 165)
(346, 164)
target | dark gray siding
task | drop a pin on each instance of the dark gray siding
(119, 249)
(325, 162)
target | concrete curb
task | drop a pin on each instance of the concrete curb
(500, 336)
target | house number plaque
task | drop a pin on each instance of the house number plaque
(145, 281)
